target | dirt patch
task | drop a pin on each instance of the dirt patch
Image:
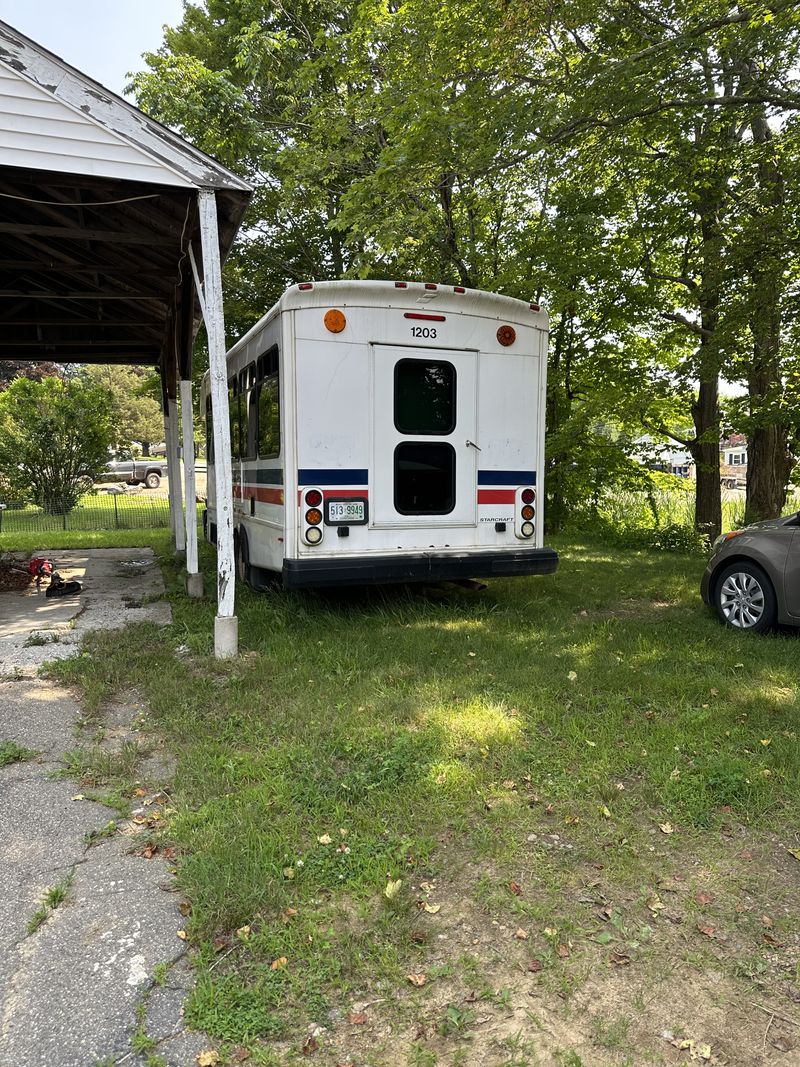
(698, 966)
(13, 574)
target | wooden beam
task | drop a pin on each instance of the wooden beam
(38, 294)
(83, 268)
(68, 233)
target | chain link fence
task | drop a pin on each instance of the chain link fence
(101, 510)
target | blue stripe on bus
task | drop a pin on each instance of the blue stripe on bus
(506, 477)
(333, 476)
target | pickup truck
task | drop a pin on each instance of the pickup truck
(147, 469)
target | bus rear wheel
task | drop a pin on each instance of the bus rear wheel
(242, 553)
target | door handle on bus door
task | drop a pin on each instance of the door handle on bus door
(473, 445)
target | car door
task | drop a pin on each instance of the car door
(791, 580)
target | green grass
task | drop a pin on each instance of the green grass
(11, 752)
(421, 731)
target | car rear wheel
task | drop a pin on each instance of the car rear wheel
(152, 481)
(744, 598)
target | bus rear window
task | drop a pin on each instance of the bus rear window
(424, 478)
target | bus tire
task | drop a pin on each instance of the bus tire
(242, 552)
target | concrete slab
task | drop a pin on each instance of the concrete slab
(120, 586)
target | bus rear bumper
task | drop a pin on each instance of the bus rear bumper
(421, 567)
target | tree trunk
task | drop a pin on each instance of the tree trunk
(769, 461)
(705, 453)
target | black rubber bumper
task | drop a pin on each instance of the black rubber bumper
(422, 567)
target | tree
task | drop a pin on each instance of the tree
(137, 415)
(26, 368)
(54, 440)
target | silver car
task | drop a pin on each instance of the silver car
(753, 577)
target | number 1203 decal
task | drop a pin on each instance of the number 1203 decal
(424, 331)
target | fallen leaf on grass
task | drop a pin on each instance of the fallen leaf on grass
(310, 1045)
(654, 905)
(288, 873)
(392, 889)
(563, 951)
(288, 914)
(219, 943)
(766, 921)
(515, 888)
(208, 1058)
(427, 887)
(278, 964)
(768, 939)
(357, 1018)
(240, 1054)
(706, 930)
(183, 935)
(140, 792)
(521, 935)
(324, 839)
(794, 852)
(417, 979)
(666, 828)
(184, 908)
(572, 676)
(150, 851)
(79, 796)
(605, 812)
(243, 932)
(704, 898)
(419, 937)
(431, 909)
(619, 959)
(535, 966)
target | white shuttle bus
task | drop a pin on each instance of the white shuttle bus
(386, 432)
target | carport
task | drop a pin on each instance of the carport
(113, 230)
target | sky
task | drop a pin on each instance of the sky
(103, 38)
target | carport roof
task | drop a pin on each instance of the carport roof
(97, 214)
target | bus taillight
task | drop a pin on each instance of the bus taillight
(525, 512)
(312, 508)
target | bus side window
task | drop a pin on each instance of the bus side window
(209, 432)
(247, 411)
(269, 405)
(233, 404)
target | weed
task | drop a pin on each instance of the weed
(456, 1021)
(11, 752)
(612, 1033)
(161, 974)
(54, 896)
(569, 1058)
(101, 834)
(142, 1042)
(36, 638)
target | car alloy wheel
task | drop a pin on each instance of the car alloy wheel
(742, 600)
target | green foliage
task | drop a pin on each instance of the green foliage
(11, 752)
(137, 415)
(54, 440)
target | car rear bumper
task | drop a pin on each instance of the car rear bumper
(420, 567)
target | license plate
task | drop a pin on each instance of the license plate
(346, 512)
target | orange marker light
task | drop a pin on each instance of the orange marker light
(506, 335)
(335, 321)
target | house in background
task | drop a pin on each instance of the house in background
(733, 461)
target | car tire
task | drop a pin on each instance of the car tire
(242, 554)
(744, 598)
(152, 481)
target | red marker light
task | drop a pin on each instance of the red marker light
(313, 498)
(459, 289)
(303, 286)
(528, 496)
(535, 307)
(419, 315)
(401, 285)
(430, 285)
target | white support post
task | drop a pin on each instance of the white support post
(226, 637)
(174, 476)
(169, 483)
(194, 580)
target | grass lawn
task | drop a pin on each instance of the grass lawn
(548, 823)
